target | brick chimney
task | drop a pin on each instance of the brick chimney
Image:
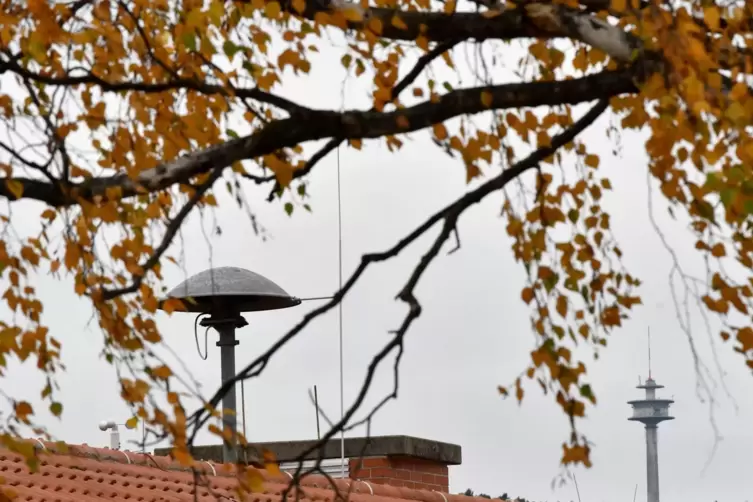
(391, 460)
(410, 472)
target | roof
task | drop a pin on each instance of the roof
(84, 474)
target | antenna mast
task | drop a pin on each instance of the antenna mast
(649, 352)
(340, 314)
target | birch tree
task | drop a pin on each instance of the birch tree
(153, 88)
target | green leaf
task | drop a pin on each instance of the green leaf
(189, 39)
(56, 409)
(302, 190)
(726, 196)
(551, 281)
(232, 134)
(230, 49)
(713, 181)
(289, 208)
(705, 209)
(346, 60)
(585, 391)
(748, 206)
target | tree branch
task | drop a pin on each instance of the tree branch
(12, 66)
(318, 125)
(172, 230)
(540, 20)
(403, 84)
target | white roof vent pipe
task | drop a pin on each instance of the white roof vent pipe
(114, 433)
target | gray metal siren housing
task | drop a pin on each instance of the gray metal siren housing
(223, 294)
(231, 290)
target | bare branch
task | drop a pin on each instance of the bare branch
(449, 215)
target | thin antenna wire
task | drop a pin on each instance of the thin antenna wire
(649, 352)
(576, 486)
(635, 492)
(340, 314)
(243, 408)
(316, 407)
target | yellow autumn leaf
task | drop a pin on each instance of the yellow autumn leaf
(486, 99)
(711, 16)
(15, 187)
(398, 23)
(271, 465)
(254, 480)
(162, 372)
(272, 9)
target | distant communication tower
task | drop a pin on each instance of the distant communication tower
(651, 412)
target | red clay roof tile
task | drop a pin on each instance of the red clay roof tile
(84, 474)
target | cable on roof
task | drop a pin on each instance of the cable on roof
(367, 484)
(126, 456)
(442, 494)
(44, 448)
(214, 472)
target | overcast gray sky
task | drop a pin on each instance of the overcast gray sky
(473, 335)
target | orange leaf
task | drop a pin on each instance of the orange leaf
(592, 161)
(23, 410)
(518, 391)
(527, 295)
(182, 455)
(718, 250)
(440, 131)
(745, 337)
(562, 306)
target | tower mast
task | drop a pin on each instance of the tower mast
(651, 411)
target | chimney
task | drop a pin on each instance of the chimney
(391, 460)
(402, 470)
